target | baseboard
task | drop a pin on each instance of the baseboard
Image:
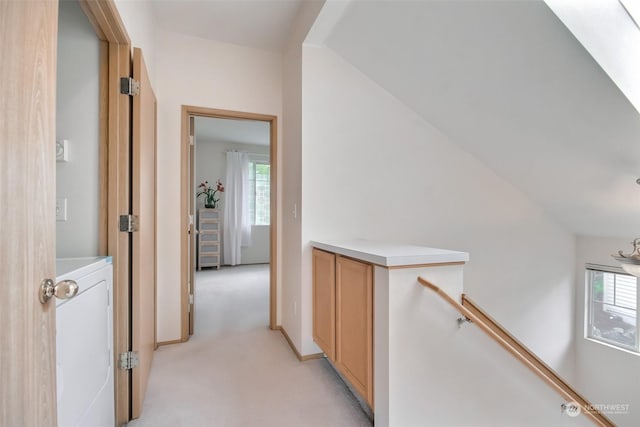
(295, 350)
(178, 341)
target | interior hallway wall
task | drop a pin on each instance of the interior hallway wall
(77, 120)
(605, 374)
(290, 297)
(214, 75)
(138, 19)
(389, 175)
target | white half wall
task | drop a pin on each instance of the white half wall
(604, 374)
(373, 169)
(211, 165)
(77, 120)
(194, 71)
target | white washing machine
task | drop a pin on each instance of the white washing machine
(84, 344)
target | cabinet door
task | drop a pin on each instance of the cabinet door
(324, 301)
(354, 324)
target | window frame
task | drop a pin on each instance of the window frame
(588, 313)
(255, 159)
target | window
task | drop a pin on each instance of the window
(260, 192)
(612, 308)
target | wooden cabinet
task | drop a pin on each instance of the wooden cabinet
(343, 317)
(354, 324)
(208, 238)
(324, 302)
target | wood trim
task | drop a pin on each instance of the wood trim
(227, 114)
(185, 190)
(191, 110)
(106, 21)
(293, 347)
(499, 334)
(163, 343)
(118, 201)
(273, 227)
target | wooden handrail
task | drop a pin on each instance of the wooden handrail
(499, 334)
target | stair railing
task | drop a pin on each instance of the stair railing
(473, 313)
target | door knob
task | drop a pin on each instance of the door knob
(64, 289)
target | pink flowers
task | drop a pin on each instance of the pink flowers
(209, 193)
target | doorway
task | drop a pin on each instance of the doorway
(201, 128)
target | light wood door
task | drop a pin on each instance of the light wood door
(144, 240)
(192, 228)
(324, 301)
(28, 37)
(354, 324)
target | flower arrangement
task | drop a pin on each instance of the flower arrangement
(209, 193)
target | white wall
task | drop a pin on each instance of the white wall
(290, 298)
(77, 120)
(138, 18)
(604, 374)
(194, 71)
(373, 169)
(211, 166)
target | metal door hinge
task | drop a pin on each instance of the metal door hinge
(128, 360)
(128, 223)
(190, 298)
(128, 86)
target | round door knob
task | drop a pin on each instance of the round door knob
(64, 289)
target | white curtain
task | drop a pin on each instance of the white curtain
(237, 226)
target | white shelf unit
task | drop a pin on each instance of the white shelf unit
(208, 238)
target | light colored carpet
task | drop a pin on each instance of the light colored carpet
(234, 371)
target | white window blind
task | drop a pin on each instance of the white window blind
(612, 308)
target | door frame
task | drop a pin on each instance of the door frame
(115, 177)
(185, 197)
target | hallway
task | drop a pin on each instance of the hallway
(234, 371)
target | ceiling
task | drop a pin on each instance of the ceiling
(208, 129)
(260, 24)
(509, 83)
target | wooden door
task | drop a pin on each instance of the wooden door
(28, 39)
(324, 301)
(354, 324)
(143, 296)
(192, 225)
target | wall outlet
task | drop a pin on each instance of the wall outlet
(61, 209)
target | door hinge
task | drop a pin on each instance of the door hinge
(128, 223)
(128, 360)
(190, 298)
(129, 86)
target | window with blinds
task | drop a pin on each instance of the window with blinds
(612, 308)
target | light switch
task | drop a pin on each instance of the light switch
(62, 150)
(61, 209)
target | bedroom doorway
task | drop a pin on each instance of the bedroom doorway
(228, 200)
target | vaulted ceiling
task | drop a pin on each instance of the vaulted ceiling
(509, 83)
(505, 80)
(260, 24)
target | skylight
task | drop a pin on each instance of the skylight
(633, 9)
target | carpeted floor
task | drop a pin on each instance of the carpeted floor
(234, 371)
